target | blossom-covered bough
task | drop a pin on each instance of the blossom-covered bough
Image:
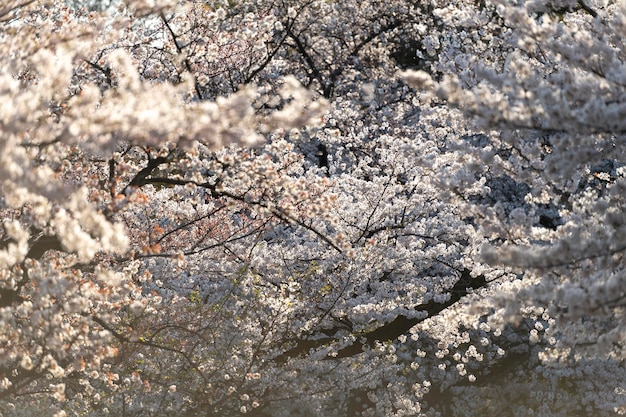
(281, 208)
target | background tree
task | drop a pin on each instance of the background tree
(189, 231)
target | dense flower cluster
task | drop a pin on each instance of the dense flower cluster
(298, 208)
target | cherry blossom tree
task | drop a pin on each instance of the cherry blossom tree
(279, 208)
(551, 108)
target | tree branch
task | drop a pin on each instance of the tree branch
(391, 330)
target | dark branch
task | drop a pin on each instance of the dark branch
(588, 9)
(179, 49)
(141, 178)
(397, 327)
(326, 89)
